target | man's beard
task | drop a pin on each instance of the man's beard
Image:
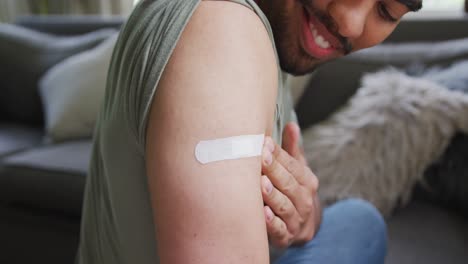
(293, 58)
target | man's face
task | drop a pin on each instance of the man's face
(310, 32)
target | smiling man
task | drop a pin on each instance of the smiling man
(309, 32)
(185, 71)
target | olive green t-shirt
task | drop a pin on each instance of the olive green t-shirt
(117, 222)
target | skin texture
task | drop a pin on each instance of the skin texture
(211, 213)
(226, 211)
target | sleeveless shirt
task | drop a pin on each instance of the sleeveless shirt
(117, 221)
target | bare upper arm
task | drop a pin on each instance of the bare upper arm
(220, 81)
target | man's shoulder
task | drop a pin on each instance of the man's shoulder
(229, 19)
(231, 29)
(228, 65)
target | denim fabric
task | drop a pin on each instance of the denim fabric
(352, 232)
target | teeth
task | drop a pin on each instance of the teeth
(322, 42)
(319, 39)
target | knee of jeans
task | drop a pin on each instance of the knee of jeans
(366, 217)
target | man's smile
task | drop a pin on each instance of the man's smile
(318, 41)
(309, 33)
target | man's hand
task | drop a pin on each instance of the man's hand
(289, 189)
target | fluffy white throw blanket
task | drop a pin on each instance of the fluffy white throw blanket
(378, 146)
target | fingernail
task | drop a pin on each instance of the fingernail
(268, 214)
(267, 184)
(267, 157)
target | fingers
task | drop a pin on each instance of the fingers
(292, 179)
(284, 171)
(276, 229)
(281, 206)
(280, 158)
(291, 138)
(289, 190)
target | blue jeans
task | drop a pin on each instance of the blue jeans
(352, 232)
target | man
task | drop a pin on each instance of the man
(185, 71)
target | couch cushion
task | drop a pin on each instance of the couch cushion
(424, 233)
(71, 102)
(335, 82)
(50, 177)
(15, 138)
(26, 55)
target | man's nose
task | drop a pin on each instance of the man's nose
(351, 16)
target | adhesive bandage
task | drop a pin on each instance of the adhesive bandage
(229, 148)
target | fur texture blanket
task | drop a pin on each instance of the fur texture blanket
(378, 146)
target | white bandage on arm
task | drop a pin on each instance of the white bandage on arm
(229, 148)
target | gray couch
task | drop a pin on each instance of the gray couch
(42, 184)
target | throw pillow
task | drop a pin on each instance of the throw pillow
(378, 146)
(335, 82)
(25, 56)
(72, 91)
